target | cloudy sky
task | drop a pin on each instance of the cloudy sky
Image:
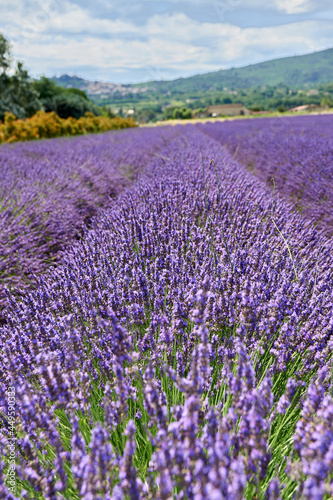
(133, 41)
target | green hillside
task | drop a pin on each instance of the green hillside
(280, 84)
(297, 71)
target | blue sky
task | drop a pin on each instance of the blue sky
(134, 41)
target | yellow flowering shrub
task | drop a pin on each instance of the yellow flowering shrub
(46, 125)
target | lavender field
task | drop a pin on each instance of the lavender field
(179, 345)
(294, 154)
(48, 189)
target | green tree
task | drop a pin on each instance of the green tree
(168, 112)
(5, 62)
(182, 113)
(46, 88)
(65, 102)
(145, 115)
(107, 111)
(5, 55)
(66, 105)
(327, 101)
(79, 92)
(17, 94)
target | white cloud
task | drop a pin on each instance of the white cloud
(69, 38)
(284, 6)
(294, 6)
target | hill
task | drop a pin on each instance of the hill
(96, 89)
(295, 72)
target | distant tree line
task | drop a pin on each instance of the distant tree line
(153, 105)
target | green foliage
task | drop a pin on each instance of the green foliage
(66, 105)
(182, 113)
(65, 102)
(281, 82)
(149, 106)
(327, 101)
(176, 113)
(107, 111)
(79, 92)
(17, 93)
(46, 88)
(296, 72)
(168, 113)
(265, 86)
(145, 115)
(5, 55)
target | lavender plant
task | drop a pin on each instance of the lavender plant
(295, 153)
(49, 189)
(175, 353)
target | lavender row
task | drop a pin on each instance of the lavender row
(293, 154)
(182, 350)
(50, 188)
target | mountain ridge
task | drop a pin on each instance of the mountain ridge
(293, 71)
(316, 67)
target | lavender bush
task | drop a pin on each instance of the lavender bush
(48, 189)
(293, 154)
(181, 350)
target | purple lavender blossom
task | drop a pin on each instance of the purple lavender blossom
(160, 356)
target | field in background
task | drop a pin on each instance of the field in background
(232, 118)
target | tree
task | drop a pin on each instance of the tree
(5, 55)
(17, 94)
(66, 105)
(107, 111)
(65, 102)
(46, 88)
(182, 113)
(5, 62)
(145, 115)
(79, 92)
(327, 101)
(22, 99)
(168, 112)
